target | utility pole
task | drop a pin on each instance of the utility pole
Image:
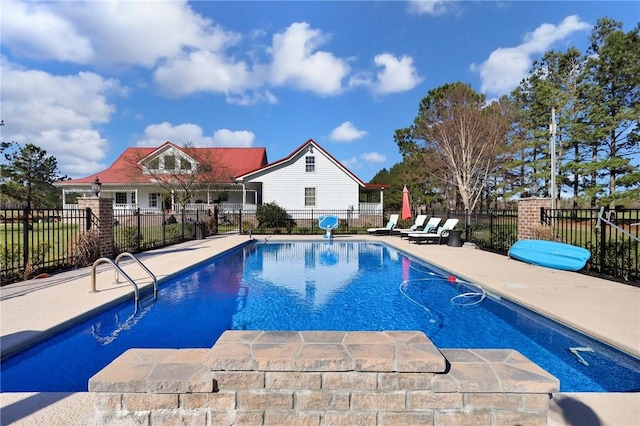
(552, 143)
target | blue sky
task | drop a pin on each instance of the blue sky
(85, 80)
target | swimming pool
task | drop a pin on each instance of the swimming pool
(318, 285)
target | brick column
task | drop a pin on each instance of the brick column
(529, 215)
(102, 222)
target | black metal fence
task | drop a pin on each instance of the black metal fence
(138, 230)
(33, 241)
(298, 222)
(36, 241)
(611, 236)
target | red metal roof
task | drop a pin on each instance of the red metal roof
(236, 161)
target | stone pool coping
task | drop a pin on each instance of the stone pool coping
(269, 377)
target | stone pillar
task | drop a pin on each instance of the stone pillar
(102, 221)
(529, 215)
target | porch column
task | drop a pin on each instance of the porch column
(244, 195)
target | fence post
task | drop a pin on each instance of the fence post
(164, 228)
(87, 218)
(240, 221)
(466, 225)
(603, 247)
(139, 227)
(25, 236)
(491, 233)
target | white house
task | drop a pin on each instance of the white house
(242, 178)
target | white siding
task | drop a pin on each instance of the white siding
(285, 184)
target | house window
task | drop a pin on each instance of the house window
(310, 164)
(121, 198)
(133, 198)
(153, 199)
(154, 164)
(309, 197)
(169, 162)
(185, 164)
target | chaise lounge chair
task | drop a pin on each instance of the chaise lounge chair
(418, 225)
(440, 236)
(393, 221)
(429, 227)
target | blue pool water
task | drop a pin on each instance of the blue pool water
(317, 285)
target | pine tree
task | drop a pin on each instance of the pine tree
(27, 175)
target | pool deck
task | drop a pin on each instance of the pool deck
(604, 309)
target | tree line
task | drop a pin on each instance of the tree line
(463, 151)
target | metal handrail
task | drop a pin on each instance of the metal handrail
(153, 277)
(607, 221)
(136, 290)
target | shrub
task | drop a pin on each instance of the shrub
(130, 239)
(85, 249)
(172, 231)
(271, 215)
(543, 232)
(247, 226)
(12, 255)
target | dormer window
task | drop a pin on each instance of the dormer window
(310, 164)
(185, 164)
(154, 164)
(169, 162)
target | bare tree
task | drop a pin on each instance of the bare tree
(180, 171)
(461, 139)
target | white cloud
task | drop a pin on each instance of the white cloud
(429, 7)
(374, 157)
(38, 31)
(157, 134)
(108, 32)
(354, 163)
(186, 52)
(397, 75)
(296, 62)
(346, 132)
(58, 114)
(202, 71)
(126, 32)
(506, 67)
(237, 138)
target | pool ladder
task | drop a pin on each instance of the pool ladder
(119, 271)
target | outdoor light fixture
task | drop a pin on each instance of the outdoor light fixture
(310, 149)
(95, 186)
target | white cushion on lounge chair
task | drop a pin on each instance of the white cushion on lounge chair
(429, 227)
(419, 222)
(393, 221)
(442, 232)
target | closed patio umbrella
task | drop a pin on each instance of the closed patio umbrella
(406, 207)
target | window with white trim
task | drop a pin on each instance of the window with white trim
(310, 164)
(185, 164)
(309, 197)
(133, 198)
(121, 198)
(153, 199)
